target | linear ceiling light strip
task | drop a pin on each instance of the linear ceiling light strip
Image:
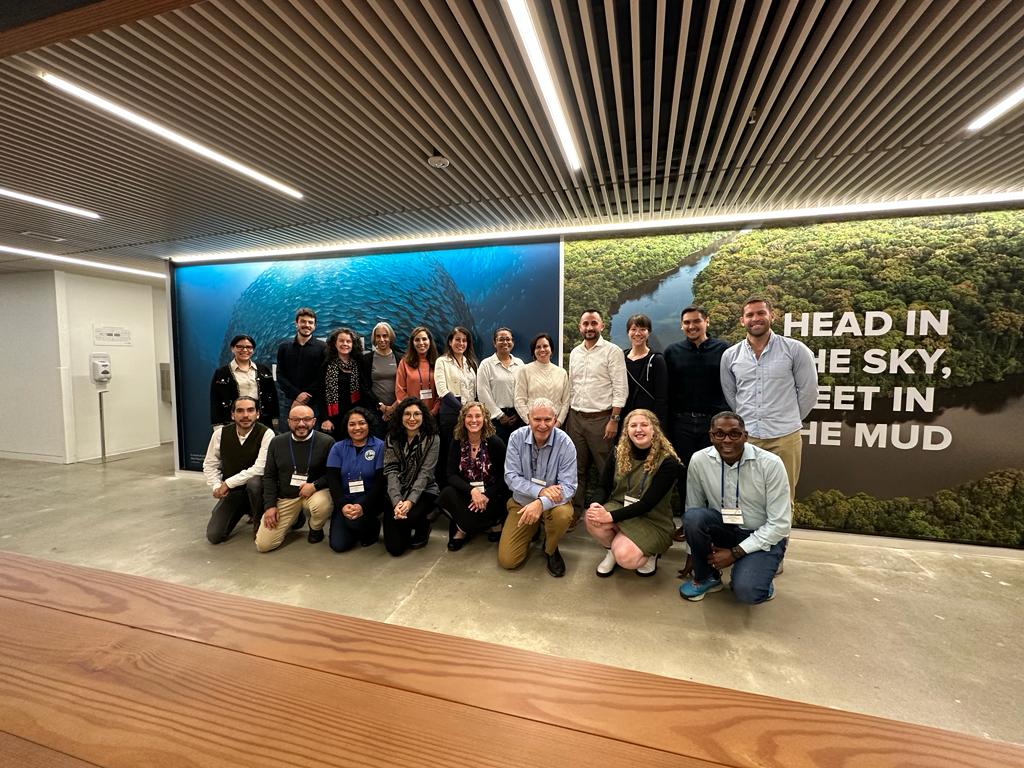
(79, 262)
(166, 133)
(47, 203)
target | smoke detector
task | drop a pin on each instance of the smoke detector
(438, 161)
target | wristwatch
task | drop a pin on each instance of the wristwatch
(615, 417)
(737, 552)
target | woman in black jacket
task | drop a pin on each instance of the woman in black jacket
(344, 382)
(476, 493)
(242, 376)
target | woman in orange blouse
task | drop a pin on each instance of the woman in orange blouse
(415, 376)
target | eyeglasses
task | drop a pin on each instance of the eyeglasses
(735, 434)
(243, 348)
(303, 419)
(504, 338)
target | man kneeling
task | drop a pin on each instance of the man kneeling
(738, 513)
(540, 470)
(234, 466)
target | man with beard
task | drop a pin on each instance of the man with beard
(738, 514)
(299, 361)
(772, 382)
(234, 466)
(295, 481)
(598, 387)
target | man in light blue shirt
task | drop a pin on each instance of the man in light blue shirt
(540, 470)
(738, 513)
(772, 382)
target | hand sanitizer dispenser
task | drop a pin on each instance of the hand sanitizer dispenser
(99, 367)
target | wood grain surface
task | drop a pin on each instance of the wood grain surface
(19, 753)
(691, 720)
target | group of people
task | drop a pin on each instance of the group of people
(377, 443)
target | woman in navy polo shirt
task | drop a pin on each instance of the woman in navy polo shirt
(355, 472)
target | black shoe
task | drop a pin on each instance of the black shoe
(299, 521)
(419, 540)
(454, 544)
(556, 565)
(494, 536)
(315, 537)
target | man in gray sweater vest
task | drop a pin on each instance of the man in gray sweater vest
(295, 481)
(234, 466)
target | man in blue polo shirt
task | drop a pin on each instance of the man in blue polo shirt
(540, 470)
(738, 514)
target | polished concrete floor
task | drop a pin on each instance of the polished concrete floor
(927, 633)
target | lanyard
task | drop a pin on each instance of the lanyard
(309, 462)
(420, 375)
(643, 482)
(738, 465)
(535, 459)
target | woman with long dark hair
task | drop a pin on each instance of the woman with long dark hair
(343, 381)
(355, 473)
(410, 456)
(415, 376)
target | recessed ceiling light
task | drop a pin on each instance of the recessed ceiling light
(615, 228)
(537, 58)
(438, 161)
(47, 203)
(166, 133)
(998, 110)
(78, 262)
(42, 236)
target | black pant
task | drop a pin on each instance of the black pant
(345, 533)
(505, 431)
(456, 504)
(688, 434)
(244, 500)
(400, 534)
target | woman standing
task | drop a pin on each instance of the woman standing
(542, 378)
(410, 456)
(343, 381)
(382, 364)
(496, 384)
(242, 376)
(632, 517)
(476, 493)
(415, 375)
(455, 375)
(355, 472)
(646, 372)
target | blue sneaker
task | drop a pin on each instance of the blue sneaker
(693, 591)
(771, 592)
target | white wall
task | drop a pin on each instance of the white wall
(131, 413)
(32, 408)
(162, 341)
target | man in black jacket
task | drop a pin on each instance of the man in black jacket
(299, 362)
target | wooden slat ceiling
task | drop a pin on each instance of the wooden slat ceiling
(679, 108)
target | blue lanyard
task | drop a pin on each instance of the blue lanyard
(309, 462)
(643, 482)
(738, 465)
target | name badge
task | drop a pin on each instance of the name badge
(477, 484)
(356, 486)
(298, 480)
(627, 500)
(732, 516)
(426, 394)
(538, 482)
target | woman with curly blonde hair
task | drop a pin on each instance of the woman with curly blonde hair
(632, 516)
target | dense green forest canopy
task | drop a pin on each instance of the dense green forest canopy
(971, 264)
(597, 272)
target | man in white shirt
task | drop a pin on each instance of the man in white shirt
(598, 389)
(233, 467)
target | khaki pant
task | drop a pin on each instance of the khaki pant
(515, 539)
(318, 507)
(788, 448)
(587, 434)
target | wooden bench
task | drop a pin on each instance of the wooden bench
(105, 669)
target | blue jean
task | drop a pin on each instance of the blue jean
(751, 575)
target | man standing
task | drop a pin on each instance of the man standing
(738, 513)
(234, 468)
(598, 388)
(299, 361)
(295, 481)
(540, 470)
(772, 382)
(695, 385)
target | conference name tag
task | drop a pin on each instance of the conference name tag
(732, 516)
(298, 480)
(477, 484)
(538, 482)
(627, 500)
(356, 486)
(426, 394)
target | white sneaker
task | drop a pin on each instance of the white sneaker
(607, 566)
(650, 567)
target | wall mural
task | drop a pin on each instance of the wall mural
(917, 326)
(480, 288)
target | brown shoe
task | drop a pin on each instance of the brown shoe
(679, 535)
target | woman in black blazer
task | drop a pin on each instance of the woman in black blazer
(224, 387)
(476, 493)
(344, 382)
